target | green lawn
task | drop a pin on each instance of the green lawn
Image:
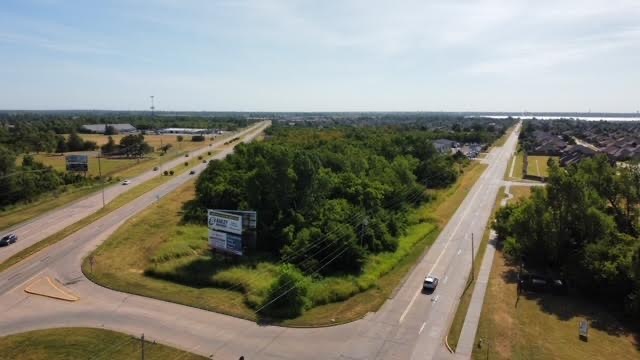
(537, 165)
(84, 343)
(518, 166)
(545, 326)
(154, 255)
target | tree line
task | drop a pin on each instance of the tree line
(584, 226)
(350, 186)
(28, 180)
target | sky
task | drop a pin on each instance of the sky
(329, 55)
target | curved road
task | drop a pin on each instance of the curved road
(411, 325)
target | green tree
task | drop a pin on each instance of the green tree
(75, 142)
(287, 296)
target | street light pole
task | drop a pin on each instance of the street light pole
(472, 260)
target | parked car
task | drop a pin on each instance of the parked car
(430, 283)
(8, 239)
(126, 182)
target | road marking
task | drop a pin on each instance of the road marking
(459, 251)
(444, 281)
(435, 299)
(422, 328)
(446, 245)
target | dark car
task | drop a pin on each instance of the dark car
(8, 239)
(430, 283)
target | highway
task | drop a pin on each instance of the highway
(411, 325)
(45, 225)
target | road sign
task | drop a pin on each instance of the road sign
(225, 221)
(77, 163)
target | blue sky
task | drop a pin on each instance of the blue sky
(347, 55)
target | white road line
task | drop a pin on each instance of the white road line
(455, 230)
(445, 279)
(459, 251)
(422, 328)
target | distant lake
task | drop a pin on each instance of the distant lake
(586, 118)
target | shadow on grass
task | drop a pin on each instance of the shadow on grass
(570, 307)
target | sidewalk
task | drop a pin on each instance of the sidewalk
(470, 327)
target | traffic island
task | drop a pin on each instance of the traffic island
(45, 286)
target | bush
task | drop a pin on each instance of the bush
(209, 153)
(186, 155)
(287, 296)
(200, 157)
(186, 163)
(197, 138)
(166, 173)
(155, 168)
(204, 161)
(171, 172)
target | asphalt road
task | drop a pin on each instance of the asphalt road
(411, 325)
(43, 226)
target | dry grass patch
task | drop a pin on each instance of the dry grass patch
(545, 326)
(84, 343)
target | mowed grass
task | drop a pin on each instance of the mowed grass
(84, 343)
(518, 166)
(155, 255)
(545, 326)
(537, 165)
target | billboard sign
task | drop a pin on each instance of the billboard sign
(249, 219)
(225, 242)
(77, 163)
(224, 221)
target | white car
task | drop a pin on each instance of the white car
(430, 283)
(126, 182)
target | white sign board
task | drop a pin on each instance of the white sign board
(224, 221)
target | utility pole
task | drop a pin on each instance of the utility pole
(142, 340)
(101, 178)
(153, 114)
(365, 223)
(472, 260)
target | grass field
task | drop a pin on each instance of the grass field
(545, 326)
(518, 166)
(84, 343)
(542, 326)
(181, 250)
(537, 165)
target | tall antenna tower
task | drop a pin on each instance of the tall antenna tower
(152, 106)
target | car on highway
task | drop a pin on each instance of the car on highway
(8, 239)
(126, 182)
(430, 283)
